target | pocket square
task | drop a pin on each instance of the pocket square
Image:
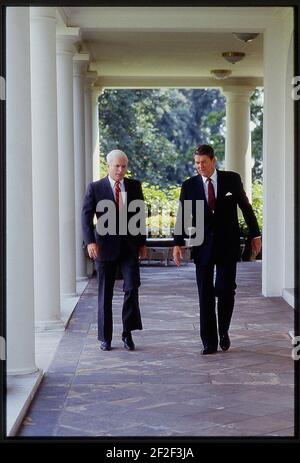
(228, 194)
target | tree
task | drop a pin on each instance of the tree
(127, 122)
(159, 129)
(257, 134)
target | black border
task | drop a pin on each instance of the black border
(154, 3)
(297, 215)
(143, 442)
(2, 222)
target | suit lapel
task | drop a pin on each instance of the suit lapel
(127, 190)
(220, 191)
(200, 193)
(107, 190)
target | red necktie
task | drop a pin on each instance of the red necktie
(211, 195)
(118, 195)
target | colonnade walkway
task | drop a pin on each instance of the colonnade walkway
(166, 387)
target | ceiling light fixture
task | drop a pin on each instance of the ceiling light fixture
(220, 73)
(246, 37)
(233, 56)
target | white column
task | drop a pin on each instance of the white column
(276, 158)
(20, 277)
(45, 168)
(238, 135)
(79, 68)
(96, 142)
(65, 51)
(289, 166)
(90, 78)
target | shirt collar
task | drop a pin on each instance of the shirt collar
(213, 177)
(113, 182)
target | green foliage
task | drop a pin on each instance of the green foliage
(128, 122)
(153, 193)
(256, 115)
(213, 126)
(162, 206)
(103, 167)
(159, 129)
(257, 204)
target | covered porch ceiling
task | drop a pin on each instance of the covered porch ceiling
(132, 45)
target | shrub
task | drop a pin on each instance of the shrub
(257, 204)
(162, 207)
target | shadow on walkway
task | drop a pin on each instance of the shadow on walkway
(165, 387)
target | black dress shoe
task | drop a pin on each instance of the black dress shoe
(224, 341)
(128, 342)
(208, 350)
(105, 345)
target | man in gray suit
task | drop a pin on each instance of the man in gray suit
(113, 250)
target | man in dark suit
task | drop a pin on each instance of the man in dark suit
(111, 247)
(221, 192)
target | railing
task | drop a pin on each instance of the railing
(160, 249)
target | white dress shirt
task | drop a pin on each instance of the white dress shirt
(214, 184)
(122, 188)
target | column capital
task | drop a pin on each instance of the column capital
(242, 91)
(65, 44)
(68, 31)
(90, 79)
(80, 63)
(97, 91)
(43, 13)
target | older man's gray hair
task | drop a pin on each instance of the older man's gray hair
(115, 154)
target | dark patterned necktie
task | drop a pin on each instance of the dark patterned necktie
(118, 195)
(211, 195)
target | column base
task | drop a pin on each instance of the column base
(81, 279)
(67, 295)
(68, 304)
(49, 325)
(288, 295)
(25, 371)
(81, 285)
(20, 392)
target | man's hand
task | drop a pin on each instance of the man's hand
(142, 252)
(93, 250)
(177, 255)
(256, 246)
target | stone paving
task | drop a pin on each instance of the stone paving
(166, 387)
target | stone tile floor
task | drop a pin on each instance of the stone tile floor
(165, 387)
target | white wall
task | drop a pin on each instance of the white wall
(289, 164)
(278, 157)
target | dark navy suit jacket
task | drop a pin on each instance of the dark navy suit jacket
(221, 229)
(110, 244)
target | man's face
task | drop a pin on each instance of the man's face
(204, 165)
(117, 168)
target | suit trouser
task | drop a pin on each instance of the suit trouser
(131, 316)
(223, 288)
